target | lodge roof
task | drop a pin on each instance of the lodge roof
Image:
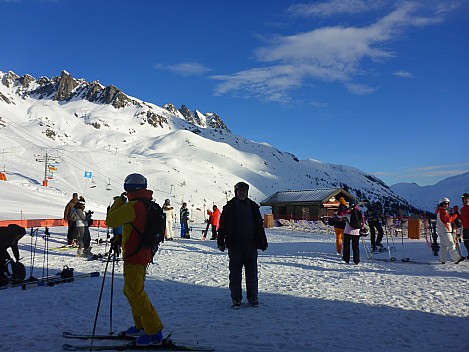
(320, 195)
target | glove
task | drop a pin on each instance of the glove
(116, 241)
(123, 197)
(221, 248)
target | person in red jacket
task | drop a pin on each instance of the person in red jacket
(464, 216)
(214, 219)
(132, 216)
(444, 230)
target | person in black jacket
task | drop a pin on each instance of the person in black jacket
(241, 230)
(374, 216)
(9, 237)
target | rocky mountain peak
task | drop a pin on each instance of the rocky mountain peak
(65, 88)
(66, 85)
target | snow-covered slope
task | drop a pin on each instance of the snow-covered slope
(186, 156)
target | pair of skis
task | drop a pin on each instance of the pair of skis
(166, 345)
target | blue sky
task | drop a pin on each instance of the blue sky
(379, 85)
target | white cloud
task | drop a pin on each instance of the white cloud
(327, 54)
(359, 89)
(403, 74)
(334, 7)
(184, 68)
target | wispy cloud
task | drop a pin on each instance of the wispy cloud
(359, 89)
(184, 68)
(327, 54)
(334, 7)
(427, 171)
(403, 74)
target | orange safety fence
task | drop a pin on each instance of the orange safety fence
(47, 223)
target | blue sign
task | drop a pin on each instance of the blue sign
(88, 174)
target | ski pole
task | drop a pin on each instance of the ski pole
(33, 254)
(369, 255)
(47, 234)
(44, 256)
(387, 242)
(99, 300)
(112, 291)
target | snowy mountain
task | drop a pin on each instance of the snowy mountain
(186, 155)
(426, 197)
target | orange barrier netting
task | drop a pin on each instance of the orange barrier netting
(47, 223)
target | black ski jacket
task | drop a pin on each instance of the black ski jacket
(227, 230)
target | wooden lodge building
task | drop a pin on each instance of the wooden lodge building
(306, 204)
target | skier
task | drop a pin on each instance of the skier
(82, 226)
(169, 212)
(443, 228)
(9, 237)
(374, 215)
(339, 226)
(214, 219)
(464, 216)
(184, 219)
(147, 323)
(351, 234)
(69, 216)
(241, 230)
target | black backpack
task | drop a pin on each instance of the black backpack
(355, 219)
(155, 227)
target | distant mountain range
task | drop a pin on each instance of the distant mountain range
(426, 197)
(185, 154)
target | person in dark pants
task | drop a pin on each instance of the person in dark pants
(241, 230)
(9, 237)
(351, 235)
(71, 219)
(374, 216)
(214, 221)
(184, 219)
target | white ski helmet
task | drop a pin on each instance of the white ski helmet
(443, 200)
(135, 182)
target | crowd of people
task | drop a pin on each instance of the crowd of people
(452, 228)
(239, 229)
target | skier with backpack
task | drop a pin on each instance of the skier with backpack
(143, 230)
(352, 232)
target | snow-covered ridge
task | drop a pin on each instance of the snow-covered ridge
(187, 156)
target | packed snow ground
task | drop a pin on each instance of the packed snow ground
(309, 299)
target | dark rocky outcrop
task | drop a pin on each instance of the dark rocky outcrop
(65, 88)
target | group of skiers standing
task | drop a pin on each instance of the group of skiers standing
(79, 222)
(184, 216)
(446, 228)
